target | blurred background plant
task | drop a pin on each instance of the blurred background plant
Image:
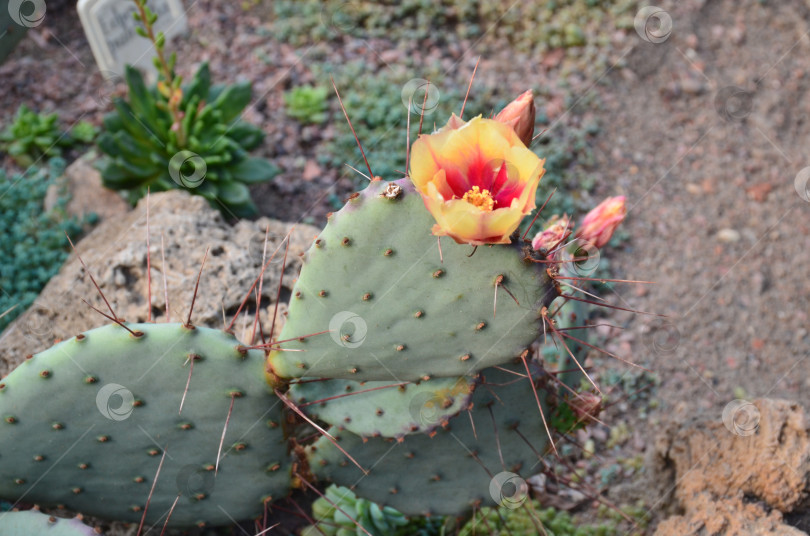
(534, 27)
(33, 135)
(531, 518)
(84, 132)
(307, 104)
(33, 245)
(336, 512)
(381, 122)
(190, 137)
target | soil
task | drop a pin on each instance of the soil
(704, 133)
(713, 212)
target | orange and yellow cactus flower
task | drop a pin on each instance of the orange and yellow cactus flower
(598, 225)
(477, 179)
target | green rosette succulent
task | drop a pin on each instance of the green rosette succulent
(206, 153)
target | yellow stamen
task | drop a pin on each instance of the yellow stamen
(480, 198)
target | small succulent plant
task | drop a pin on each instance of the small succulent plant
(32, 135)
(339, 512)
(504, 521)
(307, 104)
(143, 149)
(190, 137)
(84, 132)
(32, 242)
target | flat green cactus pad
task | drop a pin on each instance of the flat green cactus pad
(33, 523)
(391, 307)
(465, 464)
(86, 423)
(383, 408)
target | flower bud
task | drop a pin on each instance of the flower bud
(519, 114)
(586, 406)
(454, 123)
(553, 234)
(599, 223)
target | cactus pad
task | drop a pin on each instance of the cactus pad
(85, 424)
(383, 408)
(394, 308)
(31, 522)
(571, 314)
(452, 470)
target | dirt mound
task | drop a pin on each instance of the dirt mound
(735, 475)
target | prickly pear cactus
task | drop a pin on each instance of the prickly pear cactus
(31, 522)
(86, 424)
(395, 307)
(453, 469)
(411, 349)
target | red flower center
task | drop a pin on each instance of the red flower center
(484, 183)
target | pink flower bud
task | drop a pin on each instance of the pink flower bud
(553, 234)
(519, 114)
(599, 223)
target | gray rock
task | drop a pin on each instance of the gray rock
(115, 254)
(82, 182)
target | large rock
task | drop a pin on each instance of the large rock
(737, 475)
(82, 183)
(730, 516)
(115, 254)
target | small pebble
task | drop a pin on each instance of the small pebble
(728, 235)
